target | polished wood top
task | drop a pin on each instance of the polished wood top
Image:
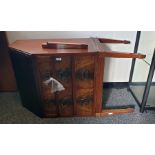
(95, 45)
(35, 46)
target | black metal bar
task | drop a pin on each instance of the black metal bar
(134, 96)
(148, 84)
(133, 66)
(134, 60)
(141, 83)
(149, 108)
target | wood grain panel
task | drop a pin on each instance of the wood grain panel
(62, 66)
(45, 69)
(98, 90)
(65, 101)
(84, 108)
(107, 112)
(55, 104)
(84, 86)
(83, 64)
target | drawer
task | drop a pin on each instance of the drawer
(49, 103)
(50, 109)
(57, 67)
(84, 70)
(84, 110)
(44, 63)
(85, 78)
(66, 106)
(63, 70)
(46, 92)
(59, 105)
(84, 102)
(65, 101)
(84, 62)
(62, 62)
(44, 67)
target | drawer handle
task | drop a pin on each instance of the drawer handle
(58, 59)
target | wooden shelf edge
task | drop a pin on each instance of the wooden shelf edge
(113, 41)
(115, 54)
(108, 112)
(59, 45)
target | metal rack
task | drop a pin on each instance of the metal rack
(143, 104)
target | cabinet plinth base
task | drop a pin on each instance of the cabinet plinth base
(107, 112)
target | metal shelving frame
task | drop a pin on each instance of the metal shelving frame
(148, 83)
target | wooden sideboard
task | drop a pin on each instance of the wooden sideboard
(78, 64)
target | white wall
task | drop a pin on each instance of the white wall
(116, 70)
(146, 46)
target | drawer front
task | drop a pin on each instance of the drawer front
(60, 103)
(63, 73)
(63, 70)
(45, 67)
(84, 70)
(84, 85)
(84, 102)
(65, 101)
(50, 109)
(49, 102)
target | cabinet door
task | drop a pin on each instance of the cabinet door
(63, 73)
(46, 68)
(59, 103)
(84, 85)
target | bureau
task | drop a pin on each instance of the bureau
(76, 64)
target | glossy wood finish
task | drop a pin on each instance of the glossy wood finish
(98, 89)
(44, 67)
(107, 112)
(115, 54)
(58, 45)
(113, 41)
(49, 67)
(33, 47)
(79, 70)
(84, 85)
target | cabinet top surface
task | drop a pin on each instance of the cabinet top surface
(95, 45)
(35, 46)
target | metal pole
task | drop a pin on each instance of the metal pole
(134, 60)
(148, 83)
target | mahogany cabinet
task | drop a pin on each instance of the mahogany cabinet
(77, 67)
